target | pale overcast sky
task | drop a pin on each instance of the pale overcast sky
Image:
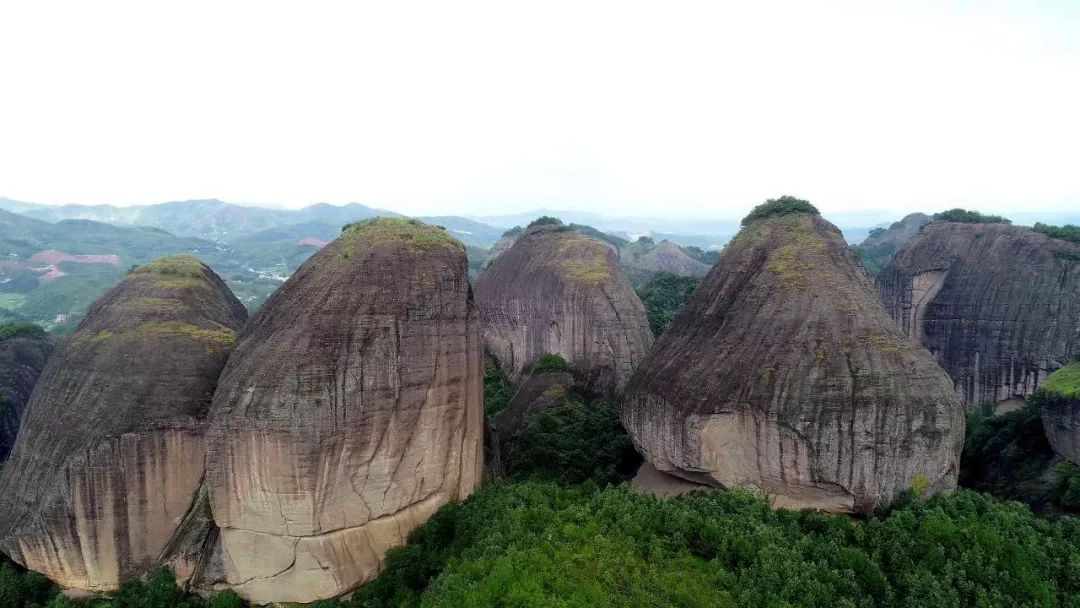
(680, 108)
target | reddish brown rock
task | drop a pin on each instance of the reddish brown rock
(558, 291)
(349, 413)
(110, 453)
(997, 305)
(785, 374)
(22, 358)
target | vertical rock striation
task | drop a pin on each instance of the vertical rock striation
(111, 448)
(558, 291)
(785, 374)
(997, 305)
(22, 358)
(349, 413)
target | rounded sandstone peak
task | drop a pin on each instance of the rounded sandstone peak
(111, 450)
(349, 413)
(558, 291)
(1059, 405)
(997, 305)
(784, 374)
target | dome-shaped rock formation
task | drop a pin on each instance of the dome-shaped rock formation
(558, 291)
(997, 305)
(349, 413)
(24, 349)
(643, 260)
(1060, 409)
(784, 373)
(111, 448)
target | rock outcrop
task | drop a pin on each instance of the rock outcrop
(111, 448)
(1060, 409)
(22, 358)
(997, 305)
(785, 374)
(558, 291)
(349, 413)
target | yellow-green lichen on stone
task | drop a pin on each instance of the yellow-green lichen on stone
(584, 259)
(221, 336)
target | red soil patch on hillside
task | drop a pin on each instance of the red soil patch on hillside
(310, 240)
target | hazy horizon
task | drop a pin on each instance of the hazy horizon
(484, 108)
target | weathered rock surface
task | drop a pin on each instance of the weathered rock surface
(997, 305)
(538, 393)
(22, 359)
(558, 291)
(785, 374)
(111, 449)
(1060, 409)
(349, 413)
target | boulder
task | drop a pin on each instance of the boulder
(22, 358)
(558, 291)
(1060, 409)
(997, 305)
(110, 453)
(351, 410)
(784, 374)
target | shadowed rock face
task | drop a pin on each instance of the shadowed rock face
(111, 448)
(997, 305)
(539, 393)
(784, 373)
(558, 291)
(1060, 409)
(880, 246)
(21, 361)
(349, 413)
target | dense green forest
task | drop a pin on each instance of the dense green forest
(664, 296)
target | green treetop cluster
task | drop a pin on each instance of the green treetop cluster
(963, 216)
(785, 205)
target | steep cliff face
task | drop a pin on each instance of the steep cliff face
(21, 360)
(111, 449)
(349, 413)
(784, 373)
(558, 291)
(1061, 411)
(997, 305)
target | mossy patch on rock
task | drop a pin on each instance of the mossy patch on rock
(157, 305)
(792, 262)
(174, 265)
(168, 329)
(1065, 381)
(414, 234)
(584, 259)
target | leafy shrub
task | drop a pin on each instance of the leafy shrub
(515, 231)
(664, 296)
(497, 391)
(574, 442)
(1067, 486)
(548, 363)
(19, 588)
(785, 205)
(964, 216)
(1068, 232)
(1065, 381)
(644, 240)
(21, 330)
(544, 220)
(597, 234)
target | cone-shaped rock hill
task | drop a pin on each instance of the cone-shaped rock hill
(785, 374)
(111, 447)
(349, 413)
(558, 291)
